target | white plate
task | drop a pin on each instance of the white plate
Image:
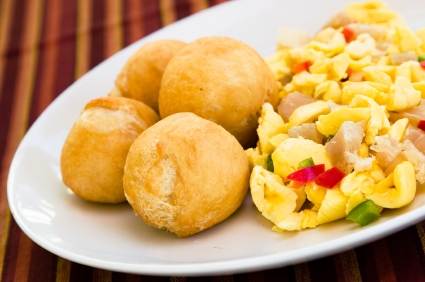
(111, 237)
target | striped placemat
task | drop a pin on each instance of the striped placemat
(45, 45)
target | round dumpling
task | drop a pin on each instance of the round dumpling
(220, 79)
(141, 76)
(185, 174)
(93, 156)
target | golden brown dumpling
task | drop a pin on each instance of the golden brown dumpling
(94, 153)
(140, 78)
(185, 174)
(220, 79)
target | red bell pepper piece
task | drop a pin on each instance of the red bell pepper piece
(330, 178)
(300, 67)
(422, 64)
(348, 33)
(421, 124)
(306, 174)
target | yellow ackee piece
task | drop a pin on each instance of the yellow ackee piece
(308, 79)
(328, 90)
(308, 113)
(405, 69)
(358, 65)
(330, 123)
(390, 70)
(351, 182)
(334, 46)
(357, 88)
(398, 129)
(420, 86)
(333, 206)
(315, 194)
(378, 86)
(339, 66)
(365, 88)
(397, 190)
(355, 198)
(304, 54)
(256, 158)
(271, 197)
(384, 61)
(305, 83)
(402, 95)
(363, 46)
(377, 76)
(278, 65)
(292, 151)
(378, 119)
(421, 35)
(406, 39)
(417, 72)
(363, 150)
(275, 141)
(370, 12)
(297, 221)
(301, 197)
(269, 124)
(321, 65)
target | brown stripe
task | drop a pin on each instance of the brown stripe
(168, 13)
(182, 8)
(120, 276)
(280, 274)
(83, 43)
(197, 5)
(80, 272)
(367, 263)
(66, 57)
(347, 266)
(383, 262)
(113, 24)
(6, 8)
(323, 269)
(6, 101)
(151, 16)
(215, 2)
(46, 69)
(6, 26)
(177, 279)
(257, 276)
(26, 73)
(20, 110)
(11, 252)
(133, 24)
(63, 270)
(228, 278)
(407, 256)
(302, 272)
(24, 258)
(421, 233)
(102, 275)
(97, 49)
(144, 278)
(5, 229)
(43, 265)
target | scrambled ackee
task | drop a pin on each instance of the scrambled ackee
(353, 102)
